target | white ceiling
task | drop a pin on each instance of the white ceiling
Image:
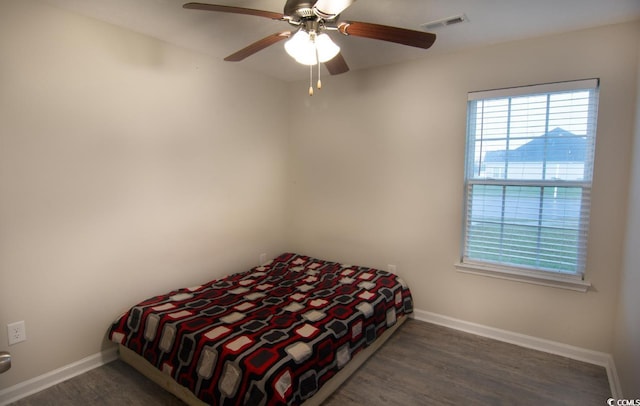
(220, 34)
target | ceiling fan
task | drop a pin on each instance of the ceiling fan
(309, 44)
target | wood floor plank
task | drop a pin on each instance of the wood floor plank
(428, 364)
(422, 364)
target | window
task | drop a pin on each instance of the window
(529, 164)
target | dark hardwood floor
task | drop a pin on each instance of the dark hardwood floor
(422, 364)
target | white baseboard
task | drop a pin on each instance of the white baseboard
(553, 347)
(26, 388)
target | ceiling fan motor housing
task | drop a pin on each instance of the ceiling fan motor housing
(299, 8)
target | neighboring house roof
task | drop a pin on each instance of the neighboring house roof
(561, 146)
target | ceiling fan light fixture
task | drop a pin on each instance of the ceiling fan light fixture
(309, 48)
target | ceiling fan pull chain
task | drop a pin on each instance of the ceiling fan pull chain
(319, 81)
(310, 80)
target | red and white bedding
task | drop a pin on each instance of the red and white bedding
(270, 336)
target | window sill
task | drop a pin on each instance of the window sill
(556, 281)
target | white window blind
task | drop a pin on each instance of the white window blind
(529, 165)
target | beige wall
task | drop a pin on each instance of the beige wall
(627, 329)
(127, 168)
(377, 172)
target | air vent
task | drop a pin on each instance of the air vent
(445, 22)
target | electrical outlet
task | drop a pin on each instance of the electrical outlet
(17, 332)
(263, 258)
(391, 268)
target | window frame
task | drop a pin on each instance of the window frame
(562, 279)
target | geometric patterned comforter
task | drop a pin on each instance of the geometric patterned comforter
(270, 336)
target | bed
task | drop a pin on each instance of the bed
(285, 333)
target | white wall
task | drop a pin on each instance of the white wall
(127, 168)
(377, 177)
(627, 329)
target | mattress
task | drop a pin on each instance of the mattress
(273, 335)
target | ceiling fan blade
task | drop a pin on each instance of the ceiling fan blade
(257, 46)
(235, 10)
(331, 8)
(337, 65)
(419, 39)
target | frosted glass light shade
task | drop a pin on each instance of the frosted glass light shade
(302, 47)
(327, 49)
